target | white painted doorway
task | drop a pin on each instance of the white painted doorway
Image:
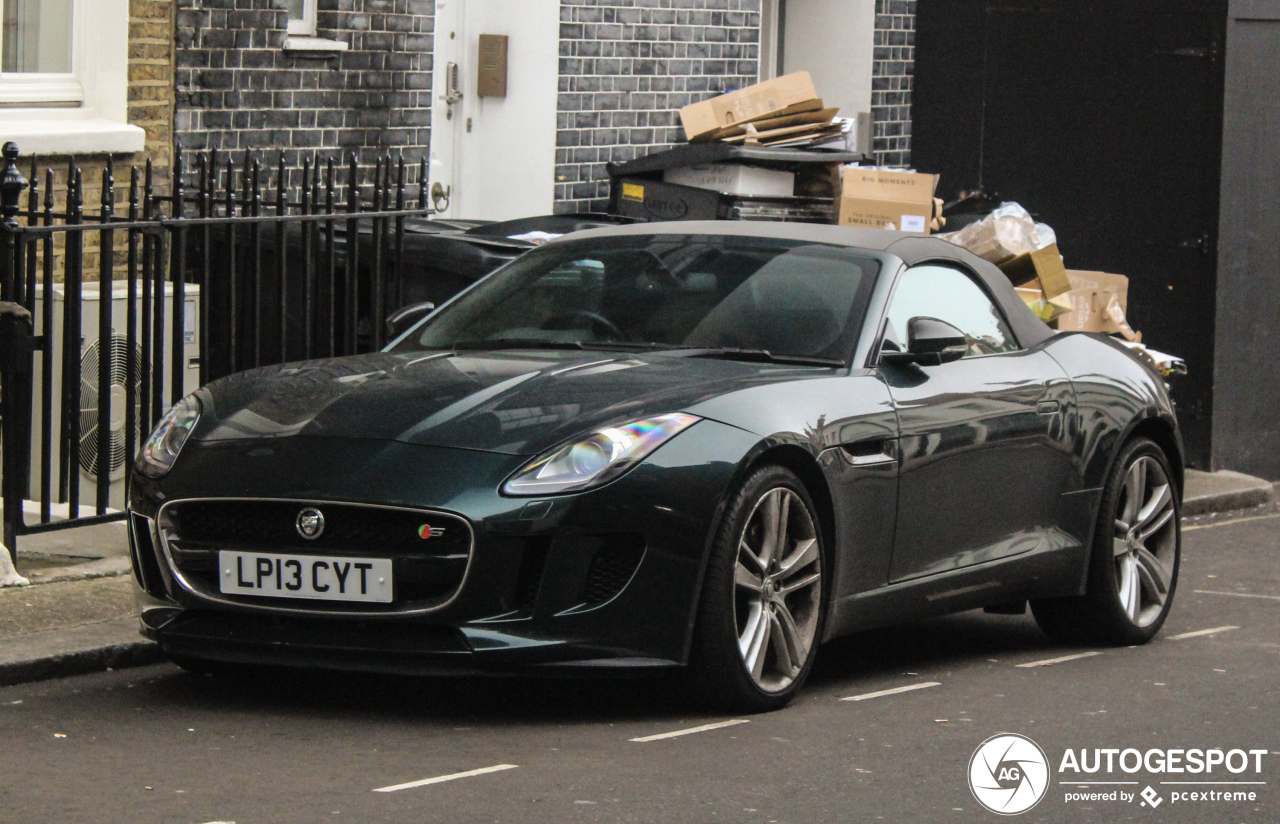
(833, 41)
(495, 156)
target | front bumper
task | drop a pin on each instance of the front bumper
(536, 592)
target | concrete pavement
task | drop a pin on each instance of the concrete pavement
(76, 615)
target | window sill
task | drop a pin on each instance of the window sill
(314, 44)
(72, 136)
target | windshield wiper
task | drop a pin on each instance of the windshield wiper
(759, 356)
(536, 343)
(514, 343)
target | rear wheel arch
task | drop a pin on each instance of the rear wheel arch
(1162, 433)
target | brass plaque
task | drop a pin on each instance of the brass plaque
(491, 79)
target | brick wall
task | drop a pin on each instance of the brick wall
(891, 72)
(238, 89)
(626, 68)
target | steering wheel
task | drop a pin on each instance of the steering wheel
(598, 323)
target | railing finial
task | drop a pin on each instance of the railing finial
(11, 185)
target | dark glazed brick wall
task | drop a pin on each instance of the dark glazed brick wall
(626, 68)
(238, 89)
(891, 73)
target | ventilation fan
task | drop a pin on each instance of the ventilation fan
(119, 394)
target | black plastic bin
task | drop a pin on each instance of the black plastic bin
(637, 189)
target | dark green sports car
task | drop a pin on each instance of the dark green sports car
(702, 445)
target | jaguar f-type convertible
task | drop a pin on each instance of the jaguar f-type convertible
(702, 445)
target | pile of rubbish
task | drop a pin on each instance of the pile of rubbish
(1069, 300)
(787, 112)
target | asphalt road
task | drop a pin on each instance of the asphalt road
(159, 745)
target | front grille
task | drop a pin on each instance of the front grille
(426, 572)
(612, 567)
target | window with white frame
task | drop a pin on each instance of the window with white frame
(302, 30)
(64, 73)
(302, 18)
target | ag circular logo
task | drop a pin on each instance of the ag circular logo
(310, 523)
(1008, 773)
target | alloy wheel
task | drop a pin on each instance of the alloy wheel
(1144, 542)
(777, 589)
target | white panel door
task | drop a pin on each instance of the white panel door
(495, 156)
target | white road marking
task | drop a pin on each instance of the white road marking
(1049, 661)
(1236, 594)
(894, 691)
(704, 728)
(442, 778)
(1225, 523)
(1091, 783)
(1200, 632)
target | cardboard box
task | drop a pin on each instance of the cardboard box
(1047, 309)
(1100, 303)
(1044, 265)
(875, 199)
(767, 99)
(818, 115)
(734, 178)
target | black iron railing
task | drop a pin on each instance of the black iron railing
(238, 266)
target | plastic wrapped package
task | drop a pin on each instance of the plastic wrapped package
(1007, 232)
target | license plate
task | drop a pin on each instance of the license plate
(324, 578)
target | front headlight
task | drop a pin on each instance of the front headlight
(597, 458)
(162, 448)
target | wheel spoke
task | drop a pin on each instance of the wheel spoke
(1119, 546)
(799, 584)
(755, 642)
(1129, 587)
(747, 579)
(745, 549)
(787, 643)
(1154, 508)
(1156, 524)
(806, 552)
(1135, 483)
(1154, 576)
(774, 525)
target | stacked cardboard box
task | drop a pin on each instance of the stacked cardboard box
(889, 199)
(785, 111)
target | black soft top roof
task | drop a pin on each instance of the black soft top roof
(911, 249)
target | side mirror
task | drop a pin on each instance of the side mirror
(930, 342)
(406, 316)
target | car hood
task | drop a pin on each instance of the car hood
(508, 402)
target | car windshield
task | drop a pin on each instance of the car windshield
(782, 297)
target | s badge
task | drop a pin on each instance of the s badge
(428, 531)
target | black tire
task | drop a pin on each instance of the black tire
(784, 615)
(1133, 567)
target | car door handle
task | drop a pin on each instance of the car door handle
(871, 453)
(1048, 407)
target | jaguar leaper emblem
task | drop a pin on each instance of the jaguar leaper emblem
(310, 523)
